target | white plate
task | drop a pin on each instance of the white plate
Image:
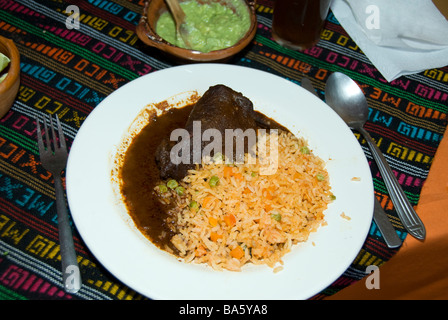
(117, 244)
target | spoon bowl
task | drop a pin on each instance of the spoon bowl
(346, 98)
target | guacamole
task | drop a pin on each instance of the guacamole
(211, 26)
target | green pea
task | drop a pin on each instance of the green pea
(276, 216)
(163, 188)
(172, 184)
(180, 190)
(213, 182)
(193, 204)
(305, 150)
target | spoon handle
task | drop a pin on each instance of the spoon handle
(179, 19)
(176, 11)
(404, 209)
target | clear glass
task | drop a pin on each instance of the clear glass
(297, 24)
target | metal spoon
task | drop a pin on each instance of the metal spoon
(379, 216)
(179, 19)
(347, 99)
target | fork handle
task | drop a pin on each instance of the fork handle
(385, 226)
(70, 269)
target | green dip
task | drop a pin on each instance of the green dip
(211, 26)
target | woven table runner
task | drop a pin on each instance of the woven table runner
(69, 71)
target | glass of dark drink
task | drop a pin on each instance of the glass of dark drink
(297, 24)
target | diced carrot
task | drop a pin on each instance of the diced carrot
(267, 207)
(206, 201)
(230, 219)
(247, 191)
(297, 176)
(215, 236)
(267, 194)
(200, 251)
(228, 171)
(213, 221)
(237, 252)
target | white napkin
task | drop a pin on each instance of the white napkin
(400, 37)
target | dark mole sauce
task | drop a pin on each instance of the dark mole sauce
(140, 175)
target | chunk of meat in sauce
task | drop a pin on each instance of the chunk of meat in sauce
(220, 108)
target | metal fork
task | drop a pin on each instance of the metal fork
(53, 157)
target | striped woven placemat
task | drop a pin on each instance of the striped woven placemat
(68, 72)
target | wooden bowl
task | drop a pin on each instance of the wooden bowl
(10, 85)
(146, 32)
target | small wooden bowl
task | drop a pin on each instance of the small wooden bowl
(10, 85)
(146, 32)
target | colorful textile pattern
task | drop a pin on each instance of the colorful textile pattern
(69, 71)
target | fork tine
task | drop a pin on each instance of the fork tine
(47, 142)
(40, 142)
(53, 135)
(61, 134)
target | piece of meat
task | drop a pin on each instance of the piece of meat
(220, 108)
